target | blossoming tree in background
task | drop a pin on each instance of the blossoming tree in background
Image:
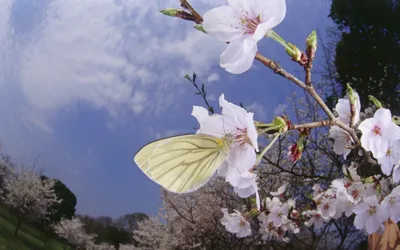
(127, 247)
(27, 194)
(364, 191)
(73, 232)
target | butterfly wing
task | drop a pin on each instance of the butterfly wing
(182, 163)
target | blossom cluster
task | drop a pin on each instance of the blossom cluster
(370, 199)
(376, 138)
(237, 126)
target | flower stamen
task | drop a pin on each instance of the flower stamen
(240, 136)
(376, 130)
(247, 23)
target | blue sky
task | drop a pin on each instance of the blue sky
(85, 83)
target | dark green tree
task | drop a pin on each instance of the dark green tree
(114, 236)
(129, 222)
(58, 211)
(65, 209)
(368, 53)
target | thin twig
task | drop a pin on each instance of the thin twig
(317, 124)
(186, 5)
(352, 114)
(279, 70)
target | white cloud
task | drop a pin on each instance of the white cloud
(280, 109)
(258, 110)
(211, 97)
(110, 55)
(214, 77)
(5, 6)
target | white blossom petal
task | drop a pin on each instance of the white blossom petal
(239, 56)
(221, 23)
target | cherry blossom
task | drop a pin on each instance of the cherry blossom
(396, 173)
(242, 23)
(278, 215)
(327, 207)
(369, 215)
(270, 204)
(343, 206)
(343, 109)
(341, 140)
(391, 157)
(391, 204)
(316, 219)
(378, 131)
(280, 191)
(236, 223)
(237, 123)
(318, 192)
(356, 190)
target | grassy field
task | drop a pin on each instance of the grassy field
(28, 238)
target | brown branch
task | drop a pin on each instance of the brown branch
(308, 67)
(277, 69)
(310, 125)
(321, 103)
(352, 114)
(186, 5)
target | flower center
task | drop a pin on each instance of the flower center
(388, 152)
(376, 130)
(241, 224)
(355, 193)
(251, 24)
(346, 137)
(240, 136)
(372, 210)
(326, 206)
(247, 23)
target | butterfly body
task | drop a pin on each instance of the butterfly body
(183, 163)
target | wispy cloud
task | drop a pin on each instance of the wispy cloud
(258, 110)
(214, 77)
(280, 109)
(116, 56)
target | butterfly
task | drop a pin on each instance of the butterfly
(183, 163)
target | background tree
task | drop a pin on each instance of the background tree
(127, 247)
(66, 208)
(28, 195)
(73, 231)
(114, 236)
(108, 230)
(6, 166)
(129, 222)
(368, 51)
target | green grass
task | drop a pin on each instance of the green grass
(29, 238)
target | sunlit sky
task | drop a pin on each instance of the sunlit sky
(85, 83)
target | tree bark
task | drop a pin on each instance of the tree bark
(18, 226)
